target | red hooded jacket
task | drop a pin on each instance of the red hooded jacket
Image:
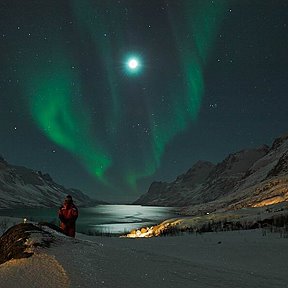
(68, 213)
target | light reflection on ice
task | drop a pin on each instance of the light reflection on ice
(101, 218)
(122, 218)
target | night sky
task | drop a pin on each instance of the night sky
(207, 78)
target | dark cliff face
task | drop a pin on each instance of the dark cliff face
(279, 145)
(3, 163)
(170, 194)
(281, 167)
(154, 193)
(206, 183)
(198, 173)
(278, 142)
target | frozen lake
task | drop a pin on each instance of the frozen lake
(101, 218)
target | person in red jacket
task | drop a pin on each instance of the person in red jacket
(68, 214)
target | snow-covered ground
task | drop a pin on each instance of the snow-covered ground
(226, 259)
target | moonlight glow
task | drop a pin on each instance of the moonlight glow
(133, 65)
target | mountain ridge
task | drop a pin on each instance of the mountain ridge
(247, 178)
(24, 187)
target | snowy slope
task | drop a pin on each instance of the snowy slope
(20, 186)
(227, 259)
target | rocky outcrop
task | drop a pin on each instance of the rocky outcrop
(16, 242)
(20, 240)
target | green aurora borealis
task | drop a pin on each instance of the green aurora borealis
(211, 80)
(90, 111)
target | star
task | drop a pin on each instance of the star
(213, 106)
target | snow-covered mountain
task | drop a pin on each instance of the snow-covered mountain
(23, 187)
(253, 177)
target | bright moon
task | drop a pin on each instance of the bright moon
(133, 63)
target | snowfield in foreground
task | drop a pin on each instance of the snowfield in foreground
(225, 259)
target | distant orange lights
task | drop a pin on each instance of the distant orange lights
(270, 201)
